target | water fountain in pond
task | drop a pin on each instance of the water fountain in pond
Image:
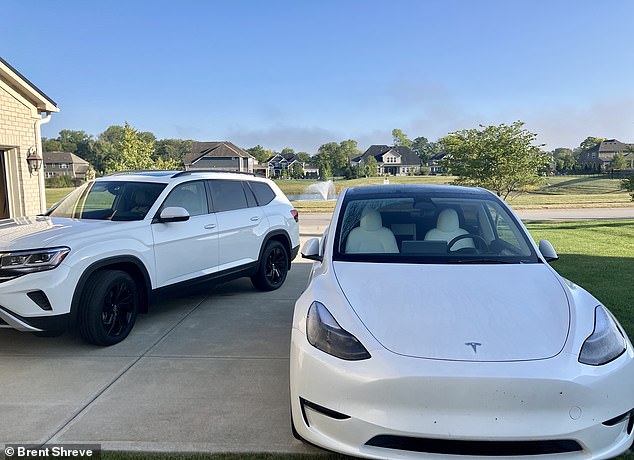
(319, 191)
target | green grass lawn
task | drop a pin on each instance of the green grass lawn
(53, 195)
(599, 256)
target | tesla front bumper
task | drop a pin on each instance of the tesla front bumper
(395, 406)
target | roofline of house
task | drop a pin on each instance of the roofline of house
(47, 104)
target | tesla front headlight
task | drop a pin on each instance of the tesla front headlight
(323, 332)
(606, 342)
(35, 260)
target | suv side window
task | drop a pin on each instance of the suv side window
(228, 195)
(263, 192)
(191, 196)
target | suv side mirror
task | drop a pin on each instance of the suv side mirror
(547, 250)
(173, 214)
(311, 250)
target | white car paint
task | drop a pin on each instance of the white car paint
(169, 252)
(446, 306)
(424, 381)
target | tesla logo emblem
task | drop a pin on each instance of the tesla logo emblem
(473, 345)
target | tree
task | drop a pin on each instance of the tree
(296, 171)
(135, 152)
(172, 149)
(618, 161)
(259, 153)
(51, 145)
(371, 167)
(627, 184)
(564, 159)
(346, 151)
(400, 138)
(326, 158)
(303, 157)
(500, 158)
(424, 149)
(77, 142)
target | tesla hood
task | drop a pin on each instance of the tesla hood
(460, 312)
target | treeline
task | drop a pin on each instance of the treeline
(123, 147)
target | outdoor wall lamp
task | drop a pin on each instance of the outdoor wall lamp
(34, 161)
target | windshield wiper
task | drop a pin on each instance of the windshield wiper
(481, 261)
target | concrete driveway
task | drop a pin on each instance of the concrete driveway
(206, 372)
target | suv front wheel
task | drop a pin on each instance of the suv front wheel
(273, 267)
(109, 307)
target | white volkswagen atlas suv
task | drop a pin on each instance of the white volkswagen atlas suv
(95, 259)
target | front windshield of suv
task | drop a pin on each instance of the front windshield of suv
(108, 200)
(424, 228)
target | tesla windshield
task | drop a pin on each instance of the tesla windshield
(108, 200)
(422, 228)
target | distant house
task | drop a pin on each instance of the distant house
(281, 162)
(434, 163)
(395, 160)
(23, 109)
(65, 164)
(602, 154)
(223, 156)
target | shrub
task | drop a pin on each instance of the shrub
(59, 182)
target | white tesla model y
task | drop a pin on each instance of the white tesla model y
(433, 326)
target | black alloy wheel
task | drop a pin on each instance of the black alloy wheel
(117, 309)
(276, 266)
(273, 267)
(109, 307)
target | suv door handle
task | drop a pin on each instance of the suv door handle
(210, 226)
(255, 218)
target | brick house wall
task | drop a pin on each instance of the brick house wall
(23, 109)
(18, 134)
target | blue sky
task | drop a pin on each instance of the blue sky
(300, 73)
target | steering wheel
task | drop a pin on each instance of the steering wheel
(473, 236)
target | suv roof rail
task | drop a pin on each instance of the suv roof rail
(138, 171)
(225, 171)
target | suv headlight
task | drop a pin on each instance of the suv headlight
(323, 332)
(36, 260)
(606, 342)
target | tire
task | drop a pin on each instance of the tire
(109, 307)
(273, 267)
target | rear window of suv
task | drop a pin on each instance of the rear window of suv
(263, 192)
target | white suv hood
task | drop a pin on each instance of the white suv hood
(42, 232)
(460, 312)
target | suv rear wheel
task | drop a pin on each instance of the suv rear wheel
(109, 307)
(273, 267)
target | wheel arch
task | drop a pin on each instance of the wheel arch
(129, 264)
(281, 236)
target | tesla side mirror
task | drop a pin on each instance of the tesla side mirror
(311, 250)
(173, 214)
(547, 250)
